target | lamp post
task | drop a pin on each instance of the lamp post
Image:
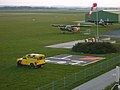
(89, 16)
(116, 86)
(117, 78)
(97, 32)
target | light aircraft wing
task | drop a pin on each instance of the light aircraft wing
(81, 26)
(83, 22)
(58, 25)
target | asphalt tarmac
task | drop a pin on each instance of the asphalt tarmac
(115, 33)
(99, 83)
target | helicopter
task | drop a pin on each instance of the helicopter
(100, 22)
(70, 28)
(103, 22)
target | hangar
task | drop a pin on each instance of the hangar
(107, 15)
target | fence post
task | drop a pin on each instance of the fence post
(85, 74)
(64, 83)
(53, 85)
(93, 70)
(107, 65)
(101, 67)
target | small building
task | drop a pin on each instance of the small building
(106, 15)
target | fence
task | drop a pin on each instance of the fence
(82, 76)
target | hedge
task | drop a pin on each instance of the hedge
(95, 48)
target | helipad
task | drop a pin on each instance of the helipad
(73, 59)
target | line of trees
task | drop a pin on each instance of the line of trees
(43, 7)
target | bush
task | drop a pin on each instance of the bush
(117, 45)
(95, 48)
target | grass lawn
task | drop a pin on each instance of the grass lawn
(21, 34)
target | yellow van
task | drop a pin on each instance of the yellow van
(32, 60)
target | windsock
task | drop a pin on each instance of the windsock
(91, 9)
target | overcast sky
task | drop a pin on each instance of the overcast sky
(79, 3)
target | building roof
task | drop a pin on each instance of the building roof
(113, 11)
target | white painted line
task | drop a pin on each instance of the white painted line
(74, 63)
(62, 57)
(51, 61)
(54, 58)
(90, 62)
(61, 62)
(58, 58)
(66, 57)
(78, 61)
(47, 60)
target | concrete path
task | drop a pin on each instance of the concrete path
(66, 45)
(69, 45)
(100, 82)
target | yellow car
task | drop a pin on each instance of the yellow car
(32, 60)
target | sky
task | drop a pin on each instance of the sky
(66, 3)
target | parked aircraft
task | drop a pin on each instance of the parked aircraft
(70, 28)
(102, 22)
